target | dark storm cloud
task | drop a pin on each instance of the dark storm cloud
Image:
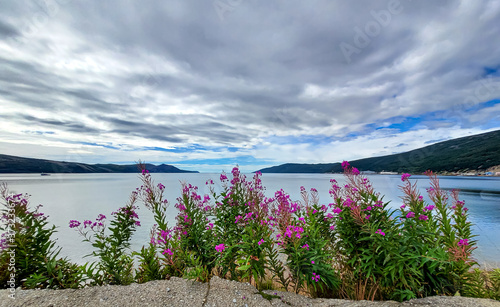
(7, 30)
(178, 131)
(65, 125)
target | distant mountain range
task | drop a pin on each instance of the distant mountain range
(471, 153)
(12, 164)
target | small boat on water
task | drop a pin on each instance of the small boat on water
(44, 174)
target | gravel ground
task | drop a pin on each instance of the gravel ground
(219, 292)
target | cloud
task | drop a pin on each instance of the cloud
(7, 30)
(268, 79)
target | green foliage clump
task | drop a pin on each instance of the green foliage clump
(420, 250)
(482, 284)
(28, 255)
(115, 264)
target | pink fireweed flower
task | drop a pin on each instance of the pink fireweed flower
(463, 242)
(302, 219)
(368, 208)
(348, 202)
(101, 217)
(306, 246)
(405, 177)
(74, 223)
(337, 210)
(312, 262)
(332, 227)
(223, 177)
(345, 164)
(294, 207)
(315, 277)
(260, 242)
(164, 234)
(86, 223)
(410, 215)
(137, 223)
(334, 190)
(423, 217)
(220, 248)
(420, 198)
(380, 232)
(367, 217)
(168, 251)
(429, 208)
(355, 171)
(290, 229)
(161, 186)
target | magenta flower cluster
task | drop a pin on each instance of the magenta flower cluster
(220, 248)
(295, 231)
(463, 242)
(405, 177)
(168, 251)
(410, 215)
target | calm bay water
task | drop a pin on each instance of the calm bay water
(83, 196)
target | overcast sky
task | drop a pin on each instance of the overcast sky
(205, 85)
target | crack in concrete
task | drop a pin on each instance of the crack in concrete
(206, 295)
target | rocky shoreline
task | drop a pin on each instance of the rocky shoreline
(218, 292)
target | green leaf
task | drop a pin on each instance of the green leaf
(244, 267)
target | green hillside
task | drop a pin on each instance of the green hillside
(477, 152)
(12, 164)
